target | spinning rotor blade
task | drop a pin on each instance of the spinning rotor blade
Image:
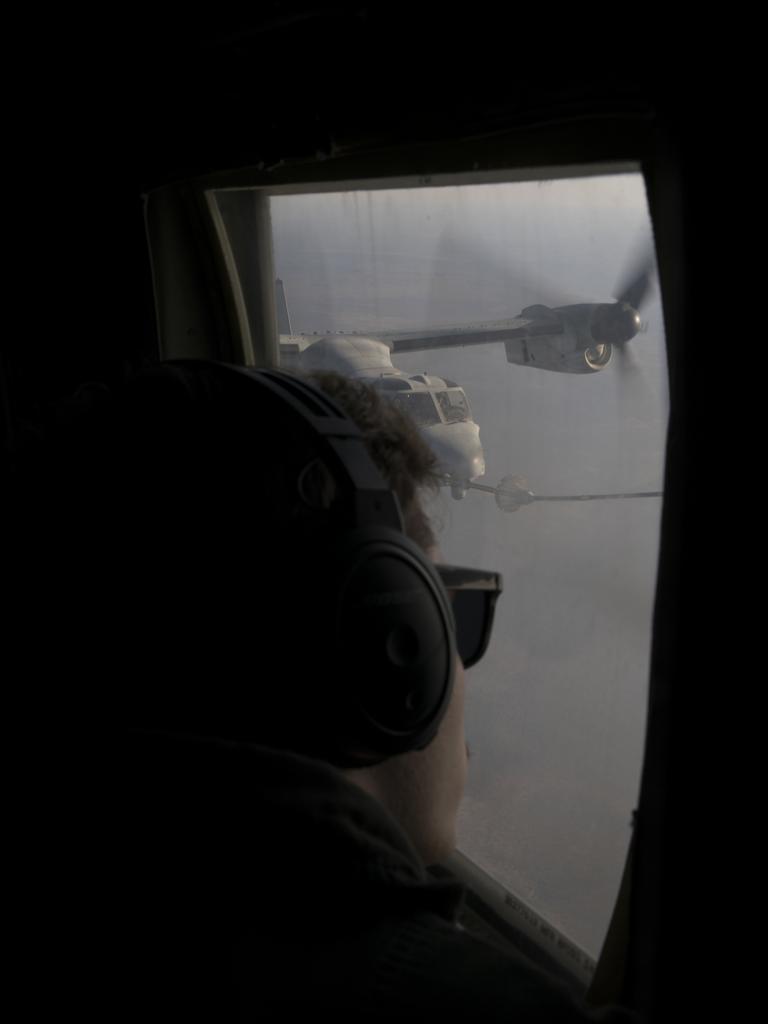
(634, 391)
(634, 287)
(625, 359)
(488, 283)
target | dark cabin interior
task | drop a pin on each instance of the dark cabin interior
(141, 100)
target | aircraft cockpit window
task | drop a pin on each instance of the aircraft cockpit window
(540, 300)
(418, 404)
(453, 405)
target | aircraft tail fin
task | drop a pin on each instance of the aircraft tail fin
(283, 320)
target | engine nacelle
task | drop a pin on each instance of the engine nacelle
(558, 353)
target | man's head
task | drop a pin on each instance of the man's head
(205, 536)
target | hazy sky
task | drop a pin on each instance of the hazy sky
(556, 710)
(551, 241)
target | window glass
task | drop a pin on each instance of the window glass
(453, 405)
(419, 405)
(547, 294)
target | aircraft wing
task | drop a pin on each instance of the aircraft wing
(467, 334)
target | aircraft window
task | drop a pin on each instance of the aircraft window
(453, 405)
(555, 480)
(418, 404)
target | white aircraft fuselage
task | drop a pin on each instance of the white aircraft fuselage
(439, 406)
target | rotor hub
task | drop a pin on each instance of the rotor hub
(615, 324)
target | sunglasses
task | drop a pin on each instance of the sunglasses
(473, 594)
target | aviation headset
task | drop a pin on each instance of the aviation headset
(384, 674)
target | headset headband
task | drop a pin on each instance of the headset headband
(373, 502)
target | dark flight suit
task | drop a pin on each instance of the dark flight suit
(259, 885)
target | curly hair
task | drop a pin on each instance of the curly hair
(395, 444)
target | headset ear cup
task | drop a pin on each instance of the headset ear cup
(395, 647)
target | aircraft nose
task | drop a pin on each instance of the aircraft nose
(468, 468)
(476, 467)
(460, 454)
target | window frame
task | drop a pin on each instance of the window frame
(608, 141)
